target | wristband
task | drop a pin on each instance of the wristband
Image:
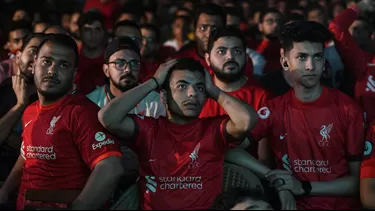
(306, 186)
(156, 81)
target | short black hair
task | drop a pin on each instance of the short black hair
(128, 9)
(118, 44)
(185, 10)
(225, 32)
(20, 25)
(90, 17)
(186, 63)
(267, 11)
(228, 199)
(300, 31)
(233, 11)
(29, 37)
(212, 10)
(126, 23)
(57, 27)
(153, 28)
(63, 40)
(313, 6)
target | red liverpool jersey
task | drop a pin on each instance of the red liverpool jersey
(62, 143)
(180, 166)
(359, 63)
(314, 141)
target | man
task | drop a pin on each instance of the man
(40, 26)
(17, 32)
(234, 20)
(16, 94)
(208, 18)
(128, 14)
(128, 29)
(226, 56)
(359, 63)
(315, 132)
(361, 30)
(181, 157)
(64, 146)
(92, 33)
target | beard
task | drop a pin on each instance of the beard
(228, 77)
(125, 87)
(53, 96)
(25, 72)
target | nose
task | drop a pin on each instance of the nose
(229, 56)
(310, 64)
(191, 92)
(52, 70)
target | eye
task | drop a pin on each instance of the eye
(318, 57)
(221, 52)
(65, 65)
(301, 57)
(203, 28)
(201, 88)
(238, 52)
(32, 51)
(46, 63)
(181, 86)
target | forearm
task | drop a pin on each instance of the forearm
(9, 120)
(14, 179)
(14, 140)
(115, 111)
(240, 113)
(368, 193)
(339, 187)
(99, 187)
(242, 158)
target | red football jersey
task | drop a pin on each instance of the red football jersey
(89, 74)
(192, 53)
(315, 141)
(359, 63)
(368, 163)
(62, 143)
(180, 166)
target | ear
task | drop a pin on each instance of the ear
(106, 70)
(284, 63)
(163, 97)
(18, 57)
(207, 58)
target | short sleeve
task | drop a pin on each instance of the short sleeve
(219, 131)
(262, 129)
(142, 132)
(355, 135)
(368, 163)
(93, 141)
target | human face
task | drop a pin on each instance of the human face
(233, 21)
(131, 32)
(305, 63)
(187, 93)
(270, 27)
(16, 39)
(20, 15)
(25, 59)
(180, 29)
(317, 16)
(40, 27)
(54, 70)
(121, 75)
(227, 59)
(93, 35)
(73, 25)
(360, 32)
(150, 44)
(206, 23)
(250, 204)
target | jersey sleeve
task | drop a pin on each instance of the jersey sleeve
(219, 125)
(142, 132)
(93, 141)
(355, 135)
(263, 127)
(368, 163)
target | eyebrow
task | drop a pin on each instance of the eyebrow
(185, 82)
(303, 53)
(51, 58)
(235, 47)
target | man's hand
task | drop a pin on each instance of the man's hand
(289, 182)
(20, 89)
(163, 70)
(287, 200)
(211, 89)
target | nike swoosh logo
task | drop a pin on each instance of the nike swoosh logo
(282, 137)
(28, 123)
(371, 64)
(151, 160)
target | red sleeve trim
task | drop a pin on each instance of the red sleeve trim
(104, 156)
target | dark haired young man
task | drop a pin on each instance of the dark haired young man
(64, 146)
(180, 157)
(92, 33)
(17, 31)
(315, 132)
(208, 18)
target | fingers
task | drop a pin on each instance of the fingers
(170, 63)
(277, 171)
(272, 179)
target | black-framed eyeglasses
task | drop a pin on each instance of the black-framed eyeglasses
(121, 64)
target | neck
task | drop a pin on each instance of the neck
(231, 86)
(179, 119)
(45, 102)
(116, 92)
(92, 52)
(307, 94)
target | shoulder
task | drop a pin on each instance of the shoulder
(96, 92)
(81, 104)
(343, 101)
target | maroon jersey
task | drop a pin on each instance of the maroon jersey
(62, 143)
(359, 63)
(315, 141)
(180, 166)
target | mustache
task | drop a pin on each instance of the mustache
(127, 77)
(49, 78)
(231, 63)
